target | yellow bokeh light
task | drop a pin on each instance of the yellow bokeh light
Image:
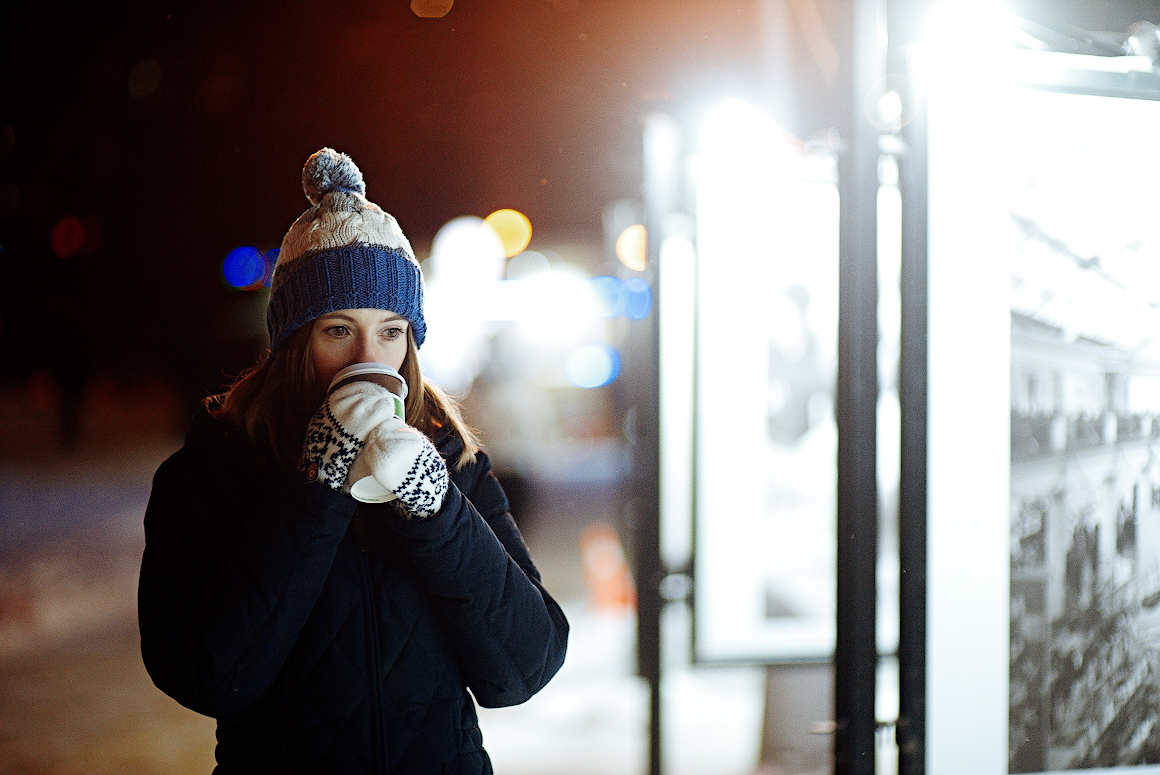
(632, 247)
(513, 228)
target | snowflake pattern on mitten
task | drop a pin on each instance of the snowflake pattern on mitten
(329, 450)
(424, 486)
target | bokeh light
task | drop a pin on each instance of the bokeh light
(638, 298)
(550, 305)
(144, 78)
(68, 235)
(592, 366)
(431, 9)
(468, 251)
(886, 104)
(890, 106)
(244, 268)
(611, 296)
(513, 229)
(632, 247)
(528, 264)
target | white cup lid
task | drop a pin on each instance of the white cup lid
(363, 369)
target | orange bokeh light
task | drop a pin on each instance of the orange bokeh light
(632, 247)
(431, 9)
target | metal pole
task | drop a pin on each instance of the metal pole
(912, 383)
(856, 652)
(660, 190)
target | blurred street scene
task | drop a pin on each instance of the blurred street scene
(629, 219)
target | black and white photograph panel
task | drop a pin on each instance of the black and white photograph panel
(1084, 682)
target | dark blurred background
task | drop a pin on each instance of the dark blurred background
(164, 134)
(171, 133)
(168, 133)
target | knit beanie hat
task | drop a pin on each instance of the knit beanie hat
(342, 253)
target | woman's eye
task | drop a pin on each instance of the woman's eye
(337, 330)
(393, 333)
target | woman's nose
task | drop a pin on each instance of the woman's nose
(365, 351)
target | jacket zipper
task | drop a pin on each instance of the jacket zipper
(378, 734)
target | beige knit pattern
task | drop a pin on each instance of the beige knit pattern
(341, 219)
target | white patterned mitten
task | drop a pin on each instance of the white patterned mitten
(405, 462)
(339, 429)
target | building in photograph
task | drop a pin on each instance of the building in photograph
(1085, 567)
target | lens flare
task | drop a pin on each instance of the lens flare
(592, 366)
(244, 268)
(632, 246)
(68, 235)
(513, 229)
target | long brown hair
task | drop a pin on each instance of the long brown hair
(274, 401)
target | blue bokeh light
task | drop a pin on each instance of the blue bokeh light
(592, 366)
(244, 267)
(638, 301)
(610, 296)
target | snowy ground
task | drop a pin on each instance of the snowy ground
(593, 717)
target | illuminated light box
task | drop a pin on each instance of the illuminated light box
(766, 440)
(1043, 642)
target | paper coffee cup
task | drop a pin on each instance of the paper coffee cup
(368, 489)
(380, 374)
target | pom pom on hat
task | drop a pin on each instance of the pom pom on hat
(328, 171)
(344, 252)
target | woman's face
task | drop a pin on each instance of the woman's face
(348, 336)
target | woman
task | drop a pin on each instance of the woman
(323, 633)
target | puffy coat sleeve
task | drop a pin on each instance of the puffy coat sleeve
(233, 563)
(509, 634)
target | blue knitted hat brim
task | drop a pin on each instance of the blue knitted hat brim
(358, 276)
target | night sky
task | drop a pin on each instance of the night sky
(172, 132)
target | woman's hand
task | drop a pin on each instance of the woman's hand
(404, 462)
(339, 429)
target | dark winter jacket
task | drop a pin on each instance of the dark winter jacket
(329, 636)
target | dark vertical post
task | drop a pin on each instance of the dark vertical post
(856, 652)
(661, 165)
(911, 729)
